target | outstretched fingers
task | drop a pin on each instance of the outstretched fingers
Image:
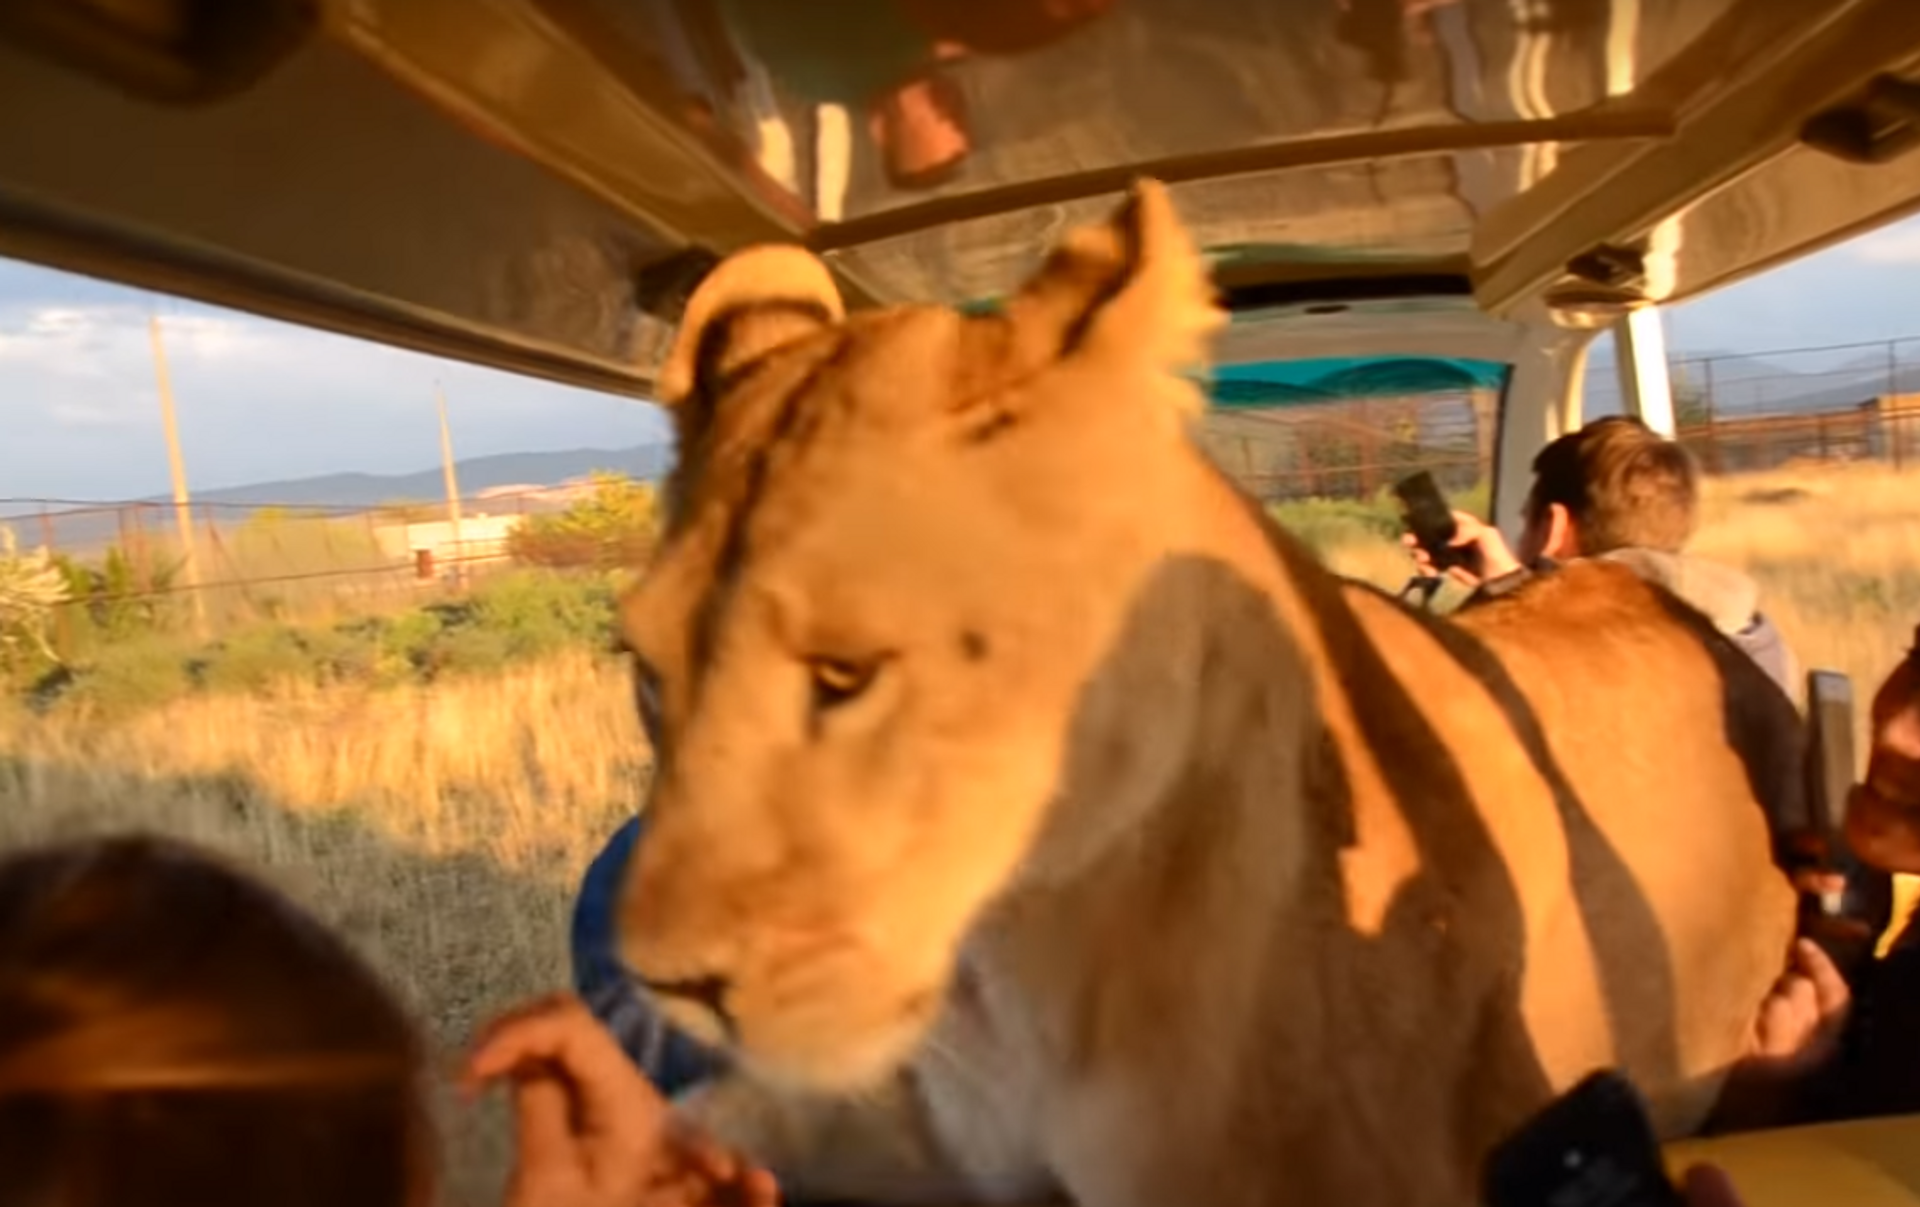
(559, 1036)
(1831, 995)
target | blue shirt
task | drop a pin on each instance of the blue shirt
(671, 1059)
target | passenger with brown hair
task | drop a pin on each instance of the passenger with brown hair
(1619, 491)
(174, 1032)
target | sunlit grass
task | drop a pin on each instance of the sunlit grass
(442, 829)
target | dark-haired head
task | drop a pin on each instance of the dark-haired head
(1613, 484)
(173, 1031)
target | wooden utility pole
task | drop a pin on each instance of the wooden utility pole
(453, 486)
(182, 501)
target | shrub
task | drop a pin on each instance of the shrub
(399, 645)
(615, 525)
(115, 599)
(126, 677)
(257, 660)
(467, 651)
(511, 617)
(31, 587)
(1328, 524)
(539, 613)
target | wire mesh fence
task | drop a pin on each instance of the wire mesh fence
(215, 567)
(240, 563)
(1759, 411)
(1352, 449)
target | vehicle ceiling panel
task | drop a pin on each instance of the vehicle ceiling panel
(510, 181)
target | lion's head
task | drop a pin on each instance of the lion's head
(902, 543)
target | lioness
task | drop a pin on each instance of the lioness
(1033, 817)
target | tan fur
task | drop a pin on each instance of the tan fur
(1152, 864)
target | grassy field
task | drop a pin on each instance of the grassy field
(440, 827)
(443, 825)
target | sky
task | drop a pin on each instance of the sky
(260, 401)
(257, 401)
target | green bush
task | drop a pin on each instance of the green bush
(513, 617)
(1328, 524)
(257, 660)
(1476, 499)
(468, 651)
(113, 601)
(398, 644)
(126, 677)
(616, 525)
(540, 613)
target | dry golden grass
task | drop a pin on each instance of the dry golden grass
(444, 830)
(1835, 549)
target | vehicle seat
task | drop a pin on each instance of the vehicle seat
(1858, 1163)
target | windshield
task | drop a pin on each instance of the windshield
(1352, 425)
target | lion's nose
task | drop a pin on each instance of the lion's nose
(709, 991)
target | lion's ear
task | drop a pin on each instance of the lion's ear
(1131, 287)
(754, 301)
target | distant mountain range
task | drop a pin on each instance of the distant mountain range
(1746, 384)
(529, 483)
(479, 475)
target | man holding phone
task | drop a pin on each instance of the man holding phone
(1618, 490)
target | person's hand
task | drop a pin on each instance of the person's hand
(1493, 557)
(1708, 1186)
(1796, 1030)
(590, 1130)
(1800, 1021)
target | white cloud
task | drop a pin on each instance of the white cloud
(93, 341)
(58, 322)
(257, 400)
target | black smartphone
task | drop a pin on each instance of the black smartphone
(1430, 519)
(1591, 1147)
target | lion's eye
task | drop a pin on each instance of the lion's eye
(837, 681)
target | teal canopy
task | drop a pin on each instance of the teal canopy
(1282, 383)
(1285, 383)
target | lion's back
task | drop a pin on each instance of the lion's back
(1674, 750)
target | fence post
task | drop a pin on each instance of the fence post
(142, 556)
(224, 571)
(1369, 449)
(63, 612)
(1894, 413)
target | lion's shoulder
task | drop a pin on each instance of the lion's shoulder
(1589, 610)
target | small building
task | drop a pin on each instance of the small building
(483, 540)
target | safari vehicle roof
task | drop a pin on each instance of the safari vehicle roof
(525, 183)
